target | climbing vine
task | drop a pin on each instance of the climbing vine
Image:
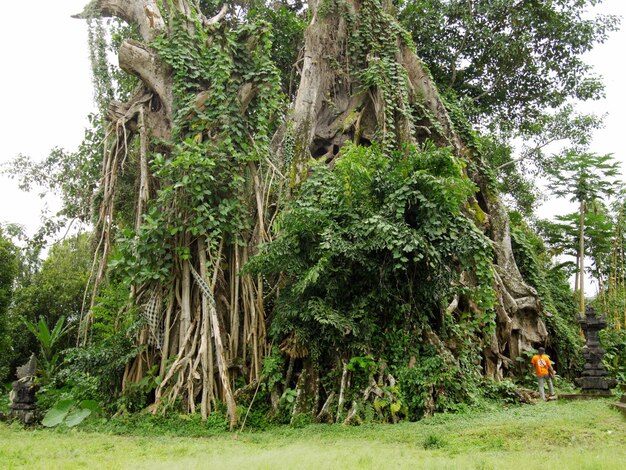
(204, 175)
(340, 243)
(376, 247)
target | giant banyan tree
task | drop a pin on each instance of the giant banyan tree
(343, 247)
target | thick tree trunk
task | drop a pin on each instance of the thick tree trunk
(331, 107)
(200, 354)
(328, 112)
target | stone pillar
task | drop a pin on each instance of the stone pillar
(594, 379)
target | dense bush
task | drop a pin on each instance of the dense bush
(8, 268)
(94, 371)
(55, 290)
(369, 254)
(614, 342)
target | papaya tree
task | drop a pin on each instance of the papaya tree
(583, 177)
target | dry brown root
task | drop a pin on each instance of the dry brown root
(205, 341)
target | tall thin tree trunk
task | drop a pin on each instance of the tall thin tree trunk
(581, 256)
(577, 278)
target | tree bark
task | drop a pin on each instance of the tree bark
(136, 58)
(331, 108)
(145, 14)
(221, 360)
(321, 123)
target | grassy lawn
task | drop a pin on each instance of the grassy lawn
(585, 434)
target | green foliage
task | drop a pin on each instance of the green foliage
(612, 303)
(513, 183)
(48, 344)
(564, 126)
(614, 343)
(396, 221)
(54, 290)
(179, 425)
(376, 248)
(438, 382)
(586, 178)
(503, 391)
(301, 420)
(57, 413)
(273, 365)
(69, 413)
(102, 80)
(611, 299)
(135, 396)
(287, 399)
(517, 168)
(288, 22)
(365, 364)
(204, 179)
(598, 237)
(551, 282)
(95, 371)
(512, 59)
(8, 271)
(111, 313)
(433, 441)
(583, 176)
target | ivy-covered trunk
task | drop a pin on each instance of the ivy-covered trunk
(370, 275)
(362, 83)
(198, 128)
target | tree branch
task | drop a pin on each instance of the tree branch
(216, 19)
(143, 13)
(527, 154)
(138, 59)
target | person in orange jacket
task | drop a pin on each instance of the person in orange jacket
(544, 371)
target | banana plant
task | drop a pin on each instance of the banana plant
(48, 343)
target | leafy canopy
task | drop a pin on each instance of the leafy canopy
(583, 176)
(511, 58)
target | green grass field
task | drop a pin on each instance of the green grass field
(558, 435)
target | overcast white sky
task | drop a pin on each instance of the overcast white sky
(45, 91)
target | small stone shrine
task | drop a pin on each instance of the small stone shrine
(23, 394)
(594, 379)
